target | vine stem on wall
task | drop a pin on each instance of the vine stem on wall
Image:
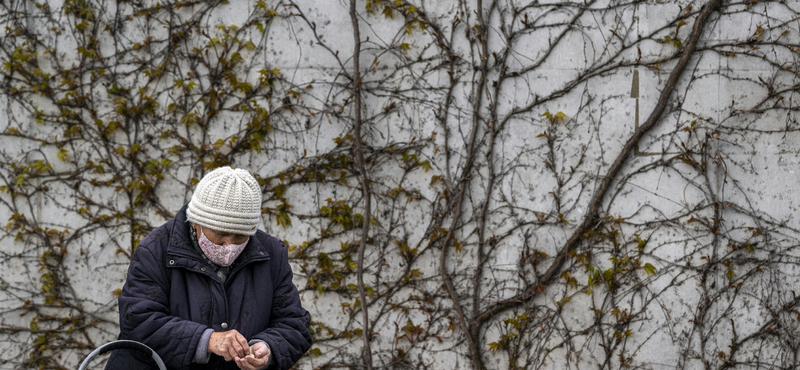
(112, 119)
(362, 168)
(593, 207)
(472, 334)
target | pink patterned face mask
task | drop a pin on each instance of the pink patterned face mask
(222, 255)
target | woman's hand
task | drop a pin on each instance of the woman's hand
(228, 344)
(259, 359)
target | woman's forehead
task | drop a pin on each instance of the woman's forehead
(226, 233)
(221, 233)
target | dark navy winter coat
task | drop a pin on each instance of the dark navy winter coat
(172, 296)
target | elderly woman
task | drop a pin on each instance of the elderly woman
(208, 290)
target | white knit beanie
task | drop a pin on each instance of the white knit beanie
(226, 200)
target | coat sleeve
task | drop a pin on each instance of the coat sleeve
(288, 335)
(144, 313)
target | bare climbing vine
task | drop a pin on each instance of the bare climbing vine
(460, 184)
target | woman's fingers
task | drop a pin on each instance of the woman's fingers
(242, 343)
(229, 344)
(237, 345)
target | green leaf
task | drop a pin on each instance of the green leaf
(255, 145)
(426, 165)
(642, 242)
(680, 24)
(649, 269)
(62, 155)
(249, 45)
(283, 219)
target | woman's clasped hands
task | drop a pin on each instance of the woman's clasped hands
(231, 345)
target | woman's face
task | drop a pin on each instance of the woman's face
(221, 237)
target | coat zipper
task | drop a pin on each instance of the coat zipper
(227, 280)
(215, 280)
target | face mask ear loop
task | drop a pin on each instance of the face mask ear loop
(204, 235)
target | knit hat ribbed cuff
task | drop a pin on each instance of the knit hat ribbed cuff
(219, 220)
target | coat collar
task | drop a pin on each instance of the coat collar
(180, 243)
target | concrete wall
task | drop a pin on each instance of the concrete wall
(709, 187)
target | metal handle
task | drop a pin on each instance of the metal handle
(123, 344)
